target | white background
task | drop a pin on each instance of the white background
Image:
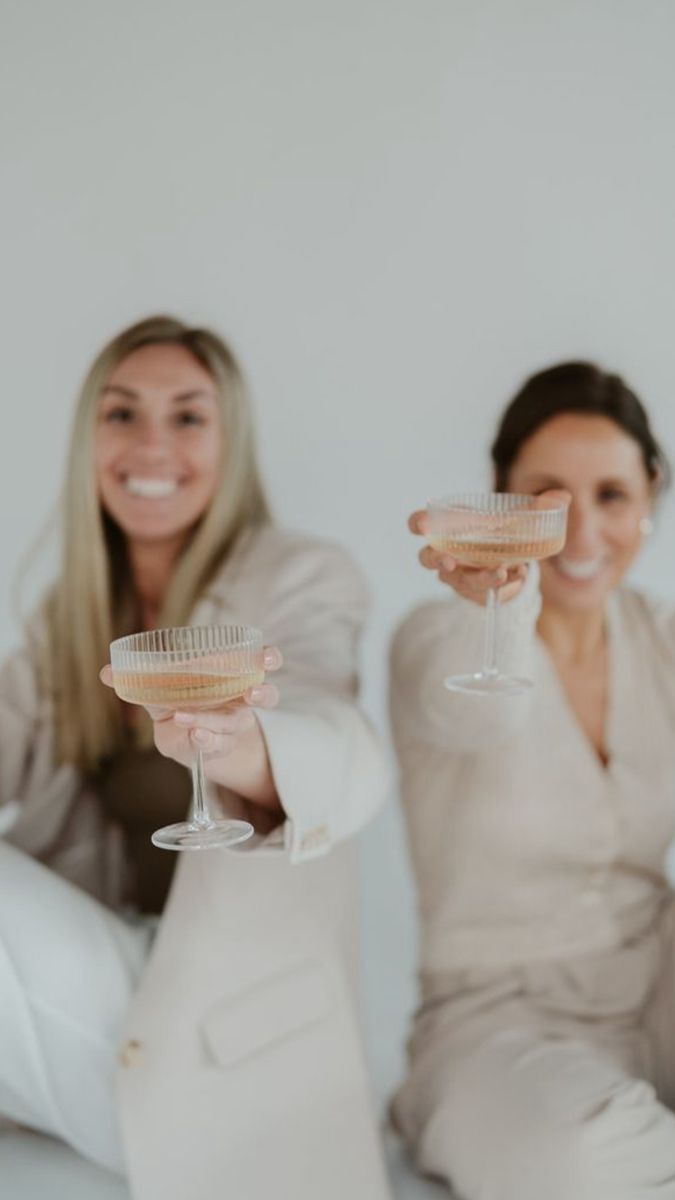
(395, 210)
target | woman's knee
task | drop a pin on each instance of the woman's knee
(522, 1120)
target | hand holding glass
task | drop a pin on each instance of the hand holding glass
(492, 530)
(187, 669)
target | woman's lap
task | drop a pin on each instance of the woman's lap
(524, 1116)
(551, 1081)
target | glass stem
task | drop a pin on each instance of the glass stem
(200, 812)
(490, 647)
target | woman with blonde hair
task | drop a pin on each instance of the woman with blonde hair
(195, 1029)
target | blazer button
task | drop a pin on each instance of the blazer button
(130, 1053)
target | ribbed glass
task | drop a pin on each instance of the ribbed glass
(487, 531)
(187, 666)
(191, 667)
(491, 529)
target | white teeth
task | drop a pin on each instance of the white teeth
(151, 489)
(580, 570)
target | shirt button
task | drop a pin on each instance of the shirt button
(130, 1053)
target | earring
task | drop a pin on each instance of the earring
(646, 526)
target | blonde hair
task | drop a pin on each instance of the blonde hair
(92, 599)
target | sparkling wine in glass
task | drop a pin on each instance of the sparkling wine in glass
(492, 530)
(191, 668)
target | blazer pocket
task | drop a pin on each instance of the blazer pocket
(275, 1008)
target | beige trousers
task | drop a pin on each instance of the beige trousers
(554, 1081)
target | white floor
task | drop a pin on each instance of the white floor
(33, 1167)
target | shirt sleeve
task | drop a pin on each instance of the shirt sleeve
(446, 638)
(326, 760)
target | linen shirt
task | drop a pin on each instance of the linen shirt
(525, 848)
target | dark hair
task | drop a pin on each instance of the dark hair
(578, 387)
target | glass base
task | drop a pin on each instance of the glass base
(481, 684)
(188, 836)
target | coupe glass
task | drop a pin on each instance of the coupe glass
(186, 669)
(492, 530)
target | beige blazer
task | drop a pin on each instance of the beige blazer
(241, 1074)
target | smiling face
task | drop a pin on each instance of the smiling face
(158, 444)
(603, 469)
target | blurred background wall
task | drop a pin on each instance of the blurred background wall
(395, 209)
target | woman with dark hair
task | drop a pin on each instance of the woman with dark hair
(542, 1060)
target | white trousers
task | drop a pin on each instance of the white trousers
(68, 969)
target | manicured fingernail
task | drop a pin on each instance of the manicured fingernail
(183, 718)
(255, 695)
(203, 736)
